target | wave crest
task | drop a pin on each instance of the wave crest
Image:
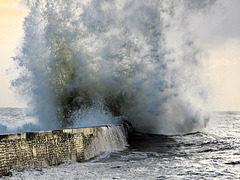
(131, 59)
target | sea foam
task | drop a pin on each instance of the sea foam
(110, 60)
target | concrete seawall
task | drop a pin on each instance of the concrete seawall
(47, 148)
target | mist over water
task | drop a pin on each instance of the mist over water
(96, 62)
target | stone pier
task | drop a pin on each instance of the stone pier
(47, 148)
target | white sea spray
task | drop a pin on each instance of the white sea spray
(108, 60)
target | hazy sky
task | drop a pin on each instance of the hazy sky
(218, 35)
(11, 19)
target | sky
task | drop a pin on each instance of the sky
(11, 32)
(218, 34)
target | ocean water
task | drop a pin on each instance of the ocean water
(13, 120)
(95, 62)
(212, 153)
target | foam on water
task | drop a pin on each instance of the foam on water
(95, 62)
(210, 155)
(14, 120)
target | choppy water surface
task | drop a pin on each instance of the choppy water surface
(96, 62)
(14, 120)
(213, 153)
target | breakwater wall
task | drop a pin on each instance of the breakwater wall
(47, 148)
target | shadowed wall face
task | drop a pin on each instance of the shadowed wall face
(46, 148)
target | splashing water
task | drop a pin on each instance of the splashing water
(98, 61)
